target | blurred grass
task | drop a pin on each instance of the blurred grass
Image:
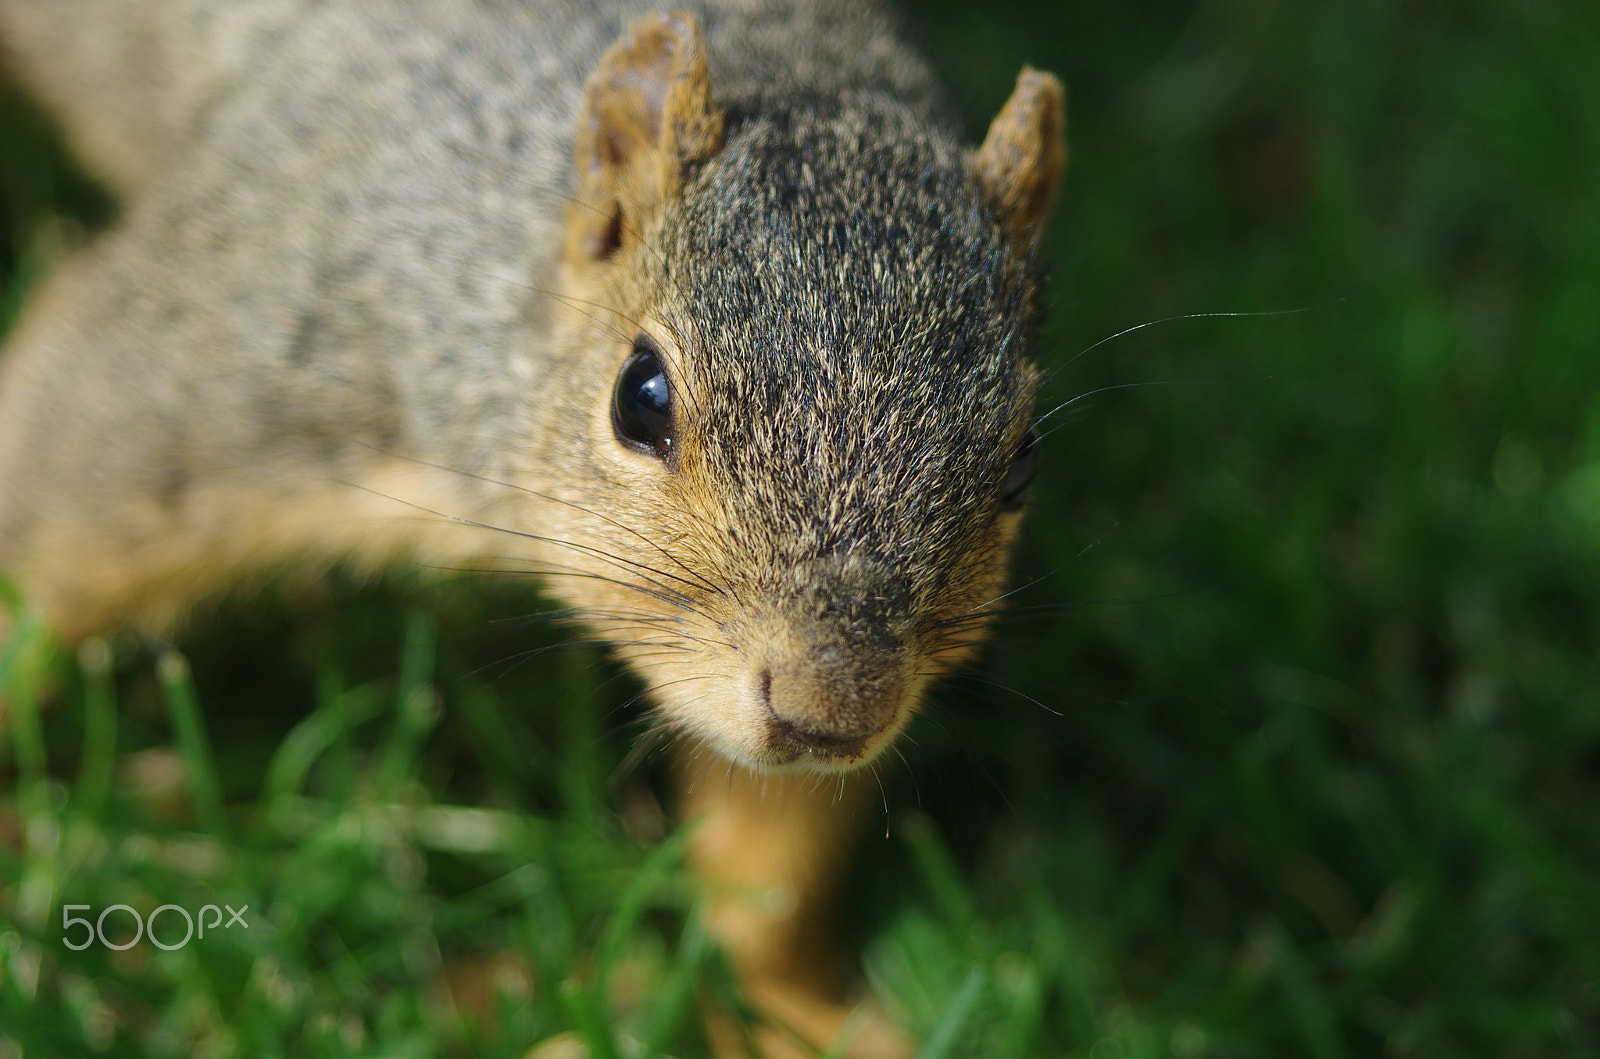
(1293, 748)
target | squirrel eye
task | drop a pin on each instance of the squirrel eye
(641, 406)
(1020, 475)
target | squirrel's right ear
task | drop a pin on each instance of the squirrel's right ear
(1025, 153)
(647, 124)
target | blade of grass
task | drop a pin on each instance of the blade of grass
(847, 1035)
(676, 994)
(417, 714)
(323, 729)
(99, 729)
(645, 881)
(943, 1037)
(939, 871)
(19, 696)
(183, 706)
(586, 1007)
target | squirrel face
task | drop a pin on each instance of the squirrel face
(797, 396)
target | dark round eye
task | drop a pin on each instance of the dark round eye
(641, 407)
(1015, 491)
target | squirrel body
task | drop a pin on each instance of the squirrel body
(711, 319)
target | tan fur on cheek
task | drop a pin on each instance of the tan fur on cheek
(967, 622)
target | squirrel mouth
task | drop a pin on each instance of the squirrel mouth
(794, 742)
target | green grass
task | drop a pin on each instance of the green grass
(1313, 770)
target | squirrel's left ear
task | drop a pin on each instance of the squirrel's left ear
(1025, 153)
(647, 124)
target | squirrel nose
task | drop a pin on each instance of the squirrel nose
(813, 711)
(832, 660)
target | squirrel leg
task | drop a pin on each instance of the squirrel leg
(771, 851)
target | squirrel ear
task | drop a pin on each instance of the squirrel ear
(647, 123)
(1025, 153)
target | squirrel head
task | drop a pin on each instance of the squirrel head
(792, 418)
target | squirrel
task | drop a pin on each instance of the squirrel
(711, 318)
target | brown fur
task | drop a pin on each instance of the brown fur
(347, 316)
(1025, 152)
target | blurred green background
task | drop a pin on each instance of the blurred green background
(1291, 746)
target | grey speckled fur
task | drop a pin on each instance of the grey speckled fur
(344, 240)
(385, 273)
(358, 234)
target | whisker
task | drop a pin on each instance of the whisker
(545, 569)
(577, 304)
(916, 788)
(1054, 372)
(1128, 386)
(570, 645)
(693, 580)
(646, 745)
(1006, 595)
(1085, 351)
(883, 795)
(965, 740)
(979, 678)
(1012, 613)
(664, 594)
